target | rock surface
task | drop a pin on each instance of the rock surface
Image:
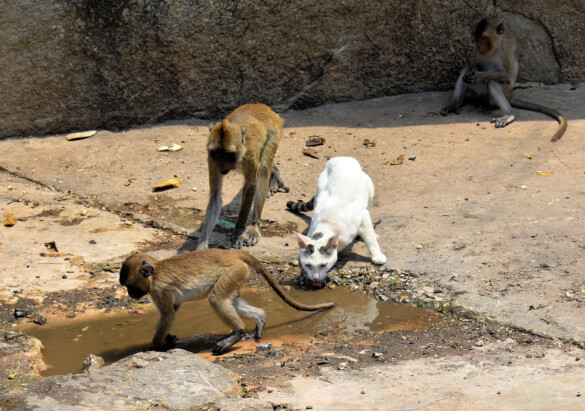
(140, 381)
(75, 65)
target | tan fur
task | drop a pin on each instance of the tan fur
(212, 273)
(492, 76)
(245, 141)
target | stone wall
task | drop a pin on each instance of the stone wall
(81, 64)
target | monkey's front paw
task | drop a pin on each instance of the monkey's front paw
(248, 239)
(379, 259)
(450, 109)
(470, 77)
(173, 340)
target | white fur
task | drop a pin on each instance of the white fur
(344, 193)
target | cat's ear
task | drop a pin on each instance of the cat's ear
(303, 240)
(333, 241)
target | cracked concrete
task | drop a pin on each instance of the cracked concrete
(494, 216)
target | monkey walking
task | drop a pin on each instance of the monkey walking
(245, 141)
(212, 273)
(492, 76)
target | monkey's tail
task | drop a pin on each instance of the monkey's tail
(526, 105)
(300, 206)
(259, 268)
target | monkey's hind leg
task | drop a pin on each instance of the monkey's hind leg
(249, 311)
(222, 299)
(276, 182)
(498, 98)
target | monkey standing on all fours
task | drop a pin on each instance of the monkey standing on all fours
(246, 141)
(492, 76)
(213, 273)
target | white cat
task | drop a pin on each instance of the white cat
(340, 214)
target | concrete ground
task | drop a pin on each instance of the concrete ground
(493, 215)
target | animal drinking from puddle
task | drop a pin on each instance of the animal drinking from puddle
(340, 214)
(212, 273)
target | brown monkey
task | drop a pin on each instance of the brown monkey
(245, 141)
(213, 273)
(492, 76)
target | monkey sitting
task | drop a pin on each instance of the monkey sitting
(213, 273)
(245, 141)
(492, 76)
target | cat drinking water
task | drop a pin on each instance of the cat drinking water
(340, 214)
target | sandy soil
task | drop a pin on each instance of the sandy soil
(493, 216)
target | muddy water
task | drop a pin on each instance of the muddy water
(114, 337)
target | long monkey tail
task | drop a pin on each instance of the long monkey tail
(259, 268)
(526, 105)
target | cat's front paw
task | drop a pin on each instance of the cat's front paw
(379, 259)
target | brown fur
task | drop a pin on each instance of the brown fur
(492, 76)
(245, 141)
(212, 273)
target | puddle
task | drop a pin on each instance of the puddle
(115, 337)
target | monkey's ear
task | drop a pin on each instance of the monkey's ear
(302, 240)
(243, 135)
(333, 241)
(146, 269)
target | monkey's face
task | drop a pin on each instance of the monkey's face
(134, 276)
(488, 36)
(225, 161)
(226, 146)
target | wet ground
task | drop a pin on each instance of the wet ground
(482, 227)
(115, 336)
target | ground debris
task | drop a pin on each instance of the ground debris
(309, 152)
(170, 183)
(10, 219)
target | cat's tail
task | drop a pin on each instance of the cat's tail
(300, 206)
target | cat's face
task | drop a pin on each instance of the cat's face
(317, 257)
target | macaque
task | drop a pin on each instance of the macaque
(212, 273)
(492, 76)
(245, 141)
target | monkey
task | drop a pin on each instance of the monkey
(245, 141)
(492, 76)
(301, 206)
(213, 273)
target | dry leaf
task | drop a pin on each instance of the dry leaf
(310, 153)
(80, 135)
(127, 183)
(399, 160)
(542, 173)
(10, 219)
(528, 156)
(369, 143)
(172, 183)
(292, 132)
(174, 147)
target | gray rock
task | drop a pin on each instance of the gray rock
(78, 65)
(176, 379)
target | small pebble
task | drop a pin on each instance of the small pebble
(362, 392)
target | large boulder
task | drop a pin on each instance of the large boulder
(176, 379)
(68, 65)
